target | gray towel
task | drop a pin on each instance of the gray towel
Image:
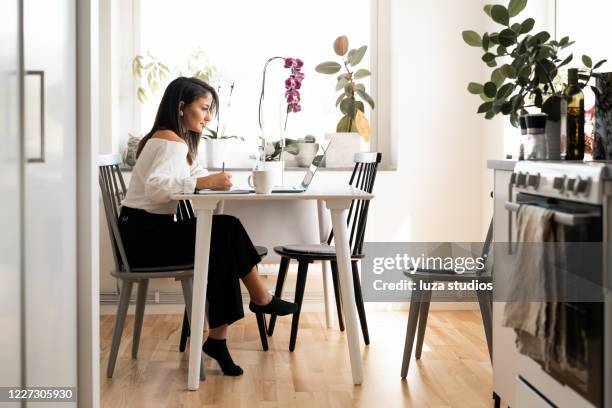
(533, 281)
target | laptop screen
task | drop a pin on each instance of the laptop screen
(316, 163)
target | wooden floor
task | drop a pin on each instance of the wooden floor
(454, 370)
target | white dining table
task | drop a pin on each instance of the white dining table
(337, 200)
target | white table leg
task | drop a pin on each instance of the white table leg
(327, 284)
(339, 210)
(200, 281)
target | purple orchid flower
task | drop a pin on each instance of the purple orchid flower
(294, 107)
(293, 83)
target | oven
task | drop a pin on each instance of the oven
(580, 196)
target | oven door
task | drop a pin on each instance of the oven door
(579, 383)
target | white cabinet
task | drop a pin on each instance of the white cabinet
(504, 350)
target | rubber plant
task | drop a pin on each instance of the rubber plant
(525, 65)
(353, 110)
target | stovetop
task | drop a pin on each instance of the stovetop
(574, 181)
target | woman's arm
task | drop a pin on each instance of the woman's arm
(218, 181)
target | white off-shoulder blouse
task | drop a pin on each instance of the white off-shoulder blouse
(160, 171)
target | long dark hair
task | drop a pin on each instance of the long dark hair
(185, 90)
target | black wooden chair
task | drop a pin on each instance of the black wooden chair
(421, 299)
(363, 177)
(113, 190)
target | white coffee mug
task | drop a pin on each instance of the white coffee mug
(261, 181)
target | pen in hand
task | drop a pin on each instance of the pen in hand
(223, 168)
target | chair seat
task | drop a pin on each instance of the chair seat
(311, 252)
(261, 250)
(171, 271)
(446, 275)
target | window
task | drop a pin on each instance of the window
(238, 36)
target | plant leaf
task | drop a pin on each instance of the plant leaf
(490, 89)
(541, 37)
(329, 67)
(340, 98)
(500, 15)
(341, 45)
(527, 25)
(485, 107)
(498, 77)
(475, 88)
(363, 95)
(507, 37)
(488, 57)
(347, 106)
(587, 61)
(505, 91)
(362, 125)
(509, 71)
(516, 6)
(142, 97)
(486, 42)
(342, 82)
(566, 61)
(487, 9)
(472, 38)
(343, 125)
(599, 64)
(358, 55)
(361, 73)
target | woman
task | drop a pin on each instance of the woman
(167, 164)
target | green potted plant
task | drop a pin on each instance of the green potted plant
(525, 67)
(353, 124)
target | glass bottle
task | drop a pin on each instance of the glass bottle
(572, 117)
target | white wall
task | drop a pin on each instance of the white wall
(435, 194)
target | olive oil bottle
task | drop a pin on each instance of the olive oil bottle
(572, 117)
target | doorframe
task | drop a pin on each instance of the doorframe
(88, 269)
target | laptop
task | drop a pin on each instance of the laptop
(312, 169)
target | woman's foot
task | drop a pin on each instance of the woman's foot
(217, 349)
(275, 306)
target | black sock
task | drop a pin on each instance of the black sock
(217, 349)
(276, 306)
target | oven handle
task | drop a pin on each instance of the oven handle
(561, 217)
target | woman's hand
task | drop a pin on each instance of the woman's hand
(218, 181)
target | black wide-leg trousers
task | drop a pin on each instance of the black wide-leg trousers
(153, 240)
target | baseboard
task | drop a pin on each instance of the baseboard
(172, 303)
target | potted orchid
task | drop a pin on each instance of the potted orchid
(353, 125)
(272, 154)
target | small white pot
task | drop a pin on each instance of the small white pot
(307, 153)
(342, 149)
(214, 152)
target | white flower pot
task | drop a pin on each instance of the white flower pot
(213, 154)
(342, 149)
(277, 168)
(307, 153)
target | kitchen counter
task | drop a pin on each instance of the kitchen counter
(507, 165)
